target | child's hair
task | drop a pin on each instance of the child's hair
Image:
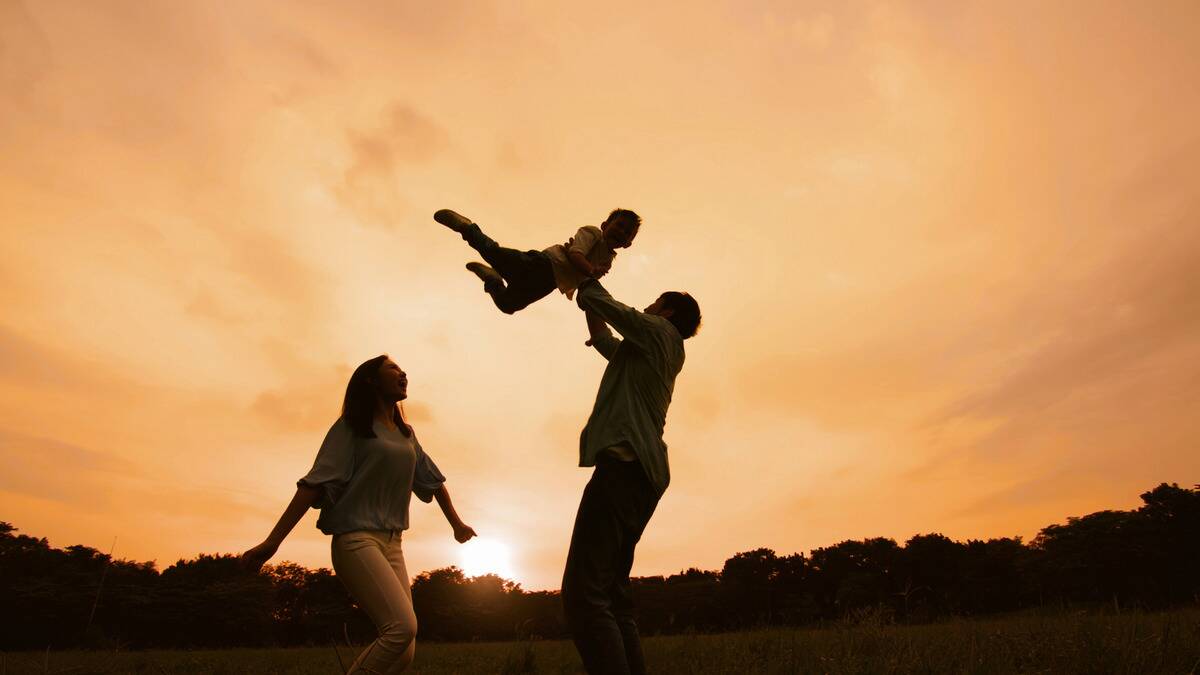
(633, 220)
(685, 312)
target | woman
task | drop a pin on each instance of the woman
(365, 474)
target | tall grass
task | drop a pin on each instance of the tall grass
(1082, 643)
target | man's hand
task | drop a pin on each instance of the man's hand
(600, 270)
(595, 326)
(463, 533)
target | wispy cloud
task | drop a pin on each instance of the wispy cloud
(946, 255)
(373, 185)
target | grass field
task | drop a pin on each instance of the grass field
(1126, 643)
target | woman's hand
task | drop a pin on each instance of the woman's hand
(306, 496)
(255, 558)
(463, 533)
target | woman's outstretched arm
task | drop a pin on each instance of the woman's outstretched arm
(462, 531)
(301, 502)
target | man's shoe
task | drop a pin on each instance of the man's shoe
(491, 278)
(452, 220)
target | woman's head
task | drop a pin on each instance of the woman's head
(376, 384)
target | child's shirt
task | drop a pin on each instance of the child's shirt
(589, 241)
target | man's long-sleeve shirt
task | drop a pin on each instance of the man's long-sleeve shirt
(635, 391)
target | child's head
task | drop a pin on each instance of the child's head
(620, 228)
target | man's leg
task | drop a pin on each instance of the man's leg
(612, 515)
(622, 608)
(641, 499)
(590, 573)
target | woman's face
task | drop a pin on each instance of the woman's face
(391, 383)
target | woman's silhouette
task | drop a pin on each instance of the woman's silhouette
(364, 476)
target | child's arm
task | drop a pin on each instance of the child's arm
(462, 531)
(580, 262)
(600, 336)
(577, 250)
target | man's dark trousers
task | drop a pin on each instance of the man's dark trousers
(617, 503)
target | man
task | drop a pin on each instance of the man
(623, 441)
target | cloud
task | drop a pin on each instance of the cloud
(25, 53)
(310, 54)
(815, 33)
(24, 361)
(372, 186)
(259, 277)
(982, 280)
(1110, 336)
(310, 396)
(51, 469)
(310, 399)
(1050, 488)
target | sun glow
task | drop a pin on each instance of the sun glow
(486, 556)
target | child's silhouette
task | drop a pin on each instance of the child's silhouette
(516, 279)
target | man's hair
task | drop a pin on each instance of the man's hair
(685, 312)
(630, 218)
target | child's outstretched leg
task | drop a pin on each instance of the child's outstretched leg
(506, 261)
(516, 278)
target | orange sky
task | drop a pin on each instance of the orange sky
(948, 256)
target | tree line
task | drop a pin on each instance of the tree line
(1145, 558)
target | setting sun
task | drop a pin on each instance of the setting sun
(486, 556)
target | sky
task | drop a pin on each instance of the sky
(947, 255)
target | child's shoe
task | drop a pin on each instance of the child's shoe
(452, 220)
(491, 278)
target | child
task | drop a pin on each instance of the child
(517, 279)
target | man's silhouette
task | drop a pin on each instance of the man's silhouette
(623, 441)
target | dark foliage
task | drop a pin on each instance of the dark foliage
(1146, 558)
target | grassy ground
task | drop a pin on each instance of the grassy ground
(1128, 643)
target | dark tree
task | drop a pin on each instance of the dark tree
(78, 596)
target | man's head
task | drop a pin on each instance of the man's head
(680, 309)
(621, 227)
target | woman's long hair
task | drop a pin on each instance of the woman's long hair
(358, 408)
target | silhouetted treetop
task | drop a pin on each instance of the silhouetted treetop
(1146, 557)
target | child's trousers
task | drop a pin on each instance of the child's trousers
(528, 275)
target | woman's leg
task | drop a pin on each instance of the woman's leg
(366, 562)
(395, 556)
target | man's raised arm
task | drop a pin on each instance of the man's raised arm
(599, 336)
(630, 323)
